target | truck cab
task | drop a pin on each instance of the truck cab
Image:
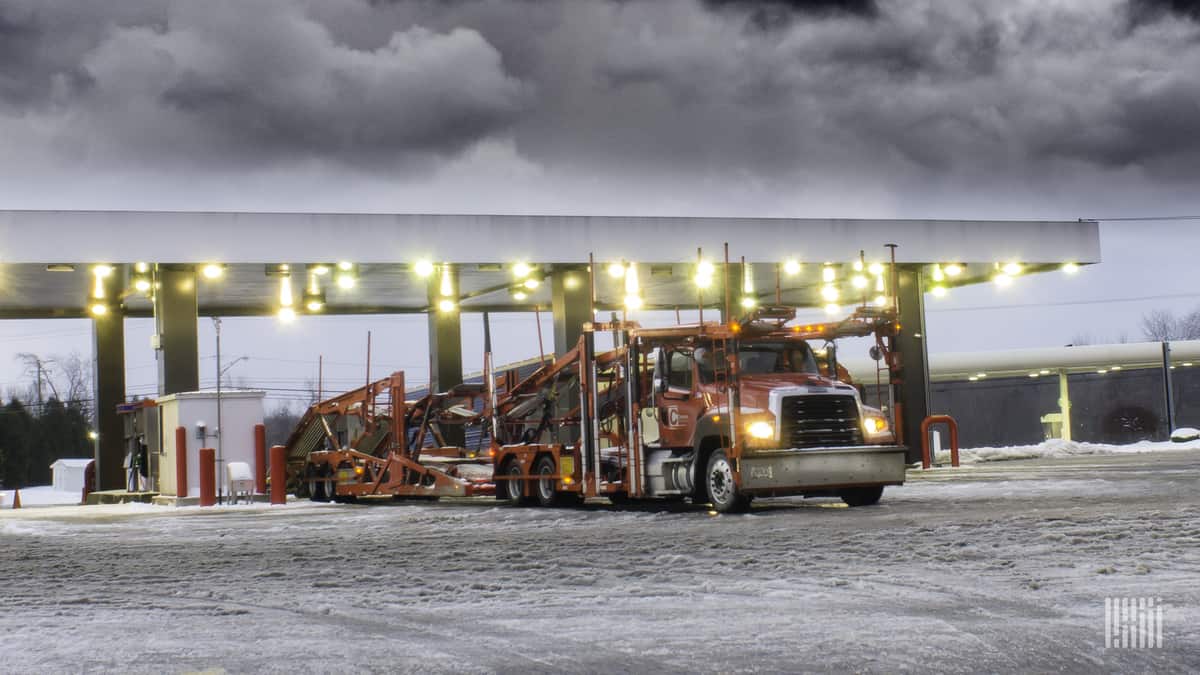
(794, 426)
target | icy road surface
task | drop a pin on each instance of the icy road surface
(997, 567)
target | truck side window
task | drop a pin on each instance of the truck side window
(680, 374)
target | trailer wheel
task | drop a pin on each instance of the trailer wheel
(863, 496)
(545, 488)
(722, 492)
(514, 488)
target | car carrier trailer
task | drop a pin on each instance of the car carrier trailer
(718, 413)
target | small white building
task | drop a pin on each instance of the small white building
(196, 412)
(68, 474)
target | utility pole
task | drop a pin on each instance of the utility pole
(220, 429)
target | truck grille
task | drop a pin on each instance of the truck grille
(819, 421)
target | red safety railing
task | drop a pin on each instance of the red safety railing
(926, 459)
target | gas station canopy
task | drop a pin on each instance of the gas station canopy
(391, 260)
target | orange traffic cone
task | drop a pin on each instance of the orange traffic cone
(16, 499)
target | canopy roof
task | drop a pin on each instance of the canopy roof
(385, 249)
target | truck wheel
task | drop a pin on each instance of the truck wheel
(722, 492)
(316, 491)
(863, 496)
(546, 488)
(513, 489)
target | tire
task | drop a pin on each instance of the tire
(546, 489)
(316, 491)
(722, 492)
(514, 489)
(863, 496)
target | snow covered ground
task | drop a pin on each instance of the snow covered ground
(42, 495)
(992, 567)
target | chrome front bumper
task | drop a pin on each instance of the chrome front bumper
(794, 471)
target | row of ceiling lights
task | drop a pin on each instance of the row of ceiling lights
(1100, 371)
(345, 275)
(527, 280)
(1002, 275)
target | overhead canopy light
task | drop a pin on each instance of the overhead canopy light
(704, 274)
(423, 268)
(791, 267)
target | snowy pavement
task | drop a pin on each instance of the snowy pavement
(1000, 566)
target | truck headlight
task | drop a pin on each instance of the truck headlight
(761, 430)
(875, 425)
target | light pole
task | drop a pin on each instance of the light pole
(220, 430)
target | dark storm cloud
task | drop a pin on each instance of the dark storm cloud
(1149, 10)
(618, 98)
(205, 80)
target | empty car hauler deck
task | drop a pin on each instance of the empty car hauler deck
(713, 412)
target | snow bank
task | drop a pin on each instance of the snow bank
(42, 495)
(1059, 448)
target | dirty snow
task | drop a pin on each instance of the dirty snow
(999, 567)
(1056, 448)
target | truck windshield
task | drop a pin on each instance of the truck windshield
(762, 358)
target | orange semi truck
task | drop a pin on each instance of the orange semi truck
(718, 413)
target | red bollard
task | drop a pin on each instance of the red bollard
(181, 486)
(260, 459)
(208, 477)
(926, 455)
(278, 474)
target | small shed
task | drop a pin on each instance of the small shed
(69, 474)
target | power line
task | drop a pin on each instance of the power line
(1066, 303)
(1146, 218)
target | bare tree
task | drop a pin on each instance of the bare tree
(38, 369)
(75, 375)
(1081, 339)
(1161, 325)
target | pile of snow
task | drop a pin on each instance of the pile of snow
(1185, 435)
(1059, 448)
(42, 495)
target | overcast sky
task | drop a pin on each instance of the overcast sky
(858, 108)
